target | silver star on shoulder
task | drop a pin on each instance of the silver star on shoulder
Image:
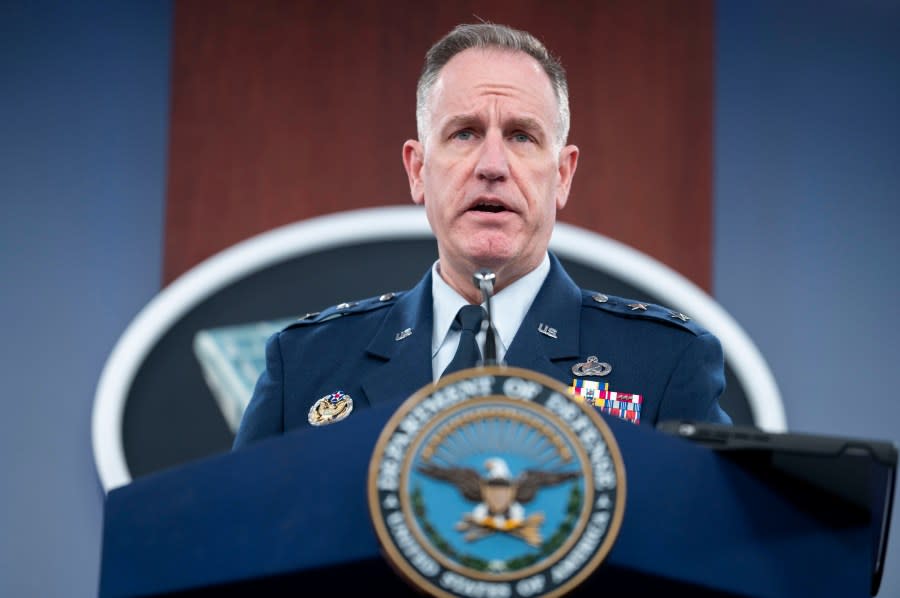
(679, 316)
(638, 306)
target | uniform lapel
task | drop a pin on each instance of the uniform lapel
(404, 357)
(557, 311)
(404, 366)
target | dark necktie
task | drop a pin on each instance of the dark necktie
(468, 322)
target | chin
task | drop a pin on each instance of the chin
(490, 252)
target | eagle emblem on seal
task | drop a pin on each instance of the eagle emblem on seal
(499, 498)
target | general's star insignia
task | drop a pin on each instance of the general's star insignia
(679, 316)
(638, 306)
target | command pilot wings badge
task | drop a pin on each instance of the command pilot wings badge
(330, 408)
(495, 482)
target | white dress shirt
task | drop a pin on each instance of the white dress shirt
(508, 309)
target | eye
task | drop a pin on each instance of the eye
(464, 135)
(522, 137)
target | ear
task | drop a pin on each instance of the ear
(568, 162)
(413, 160)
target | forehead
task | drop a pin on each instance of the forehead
(475, 76)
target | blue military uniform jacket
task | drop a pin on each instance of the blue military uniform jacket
(379, 350)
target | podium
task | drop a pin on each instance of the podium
(289, 515)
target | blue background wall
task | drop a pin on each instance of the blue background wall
(807, 200)
(83, 123)
(807, 162)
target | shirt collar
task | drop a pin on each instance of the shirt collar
(508, 307)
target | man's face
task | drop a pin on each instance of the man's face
(489, 171)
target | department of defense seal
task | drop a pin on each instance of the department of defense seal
(495, 483)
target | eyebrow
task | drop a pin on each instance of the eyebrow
(460, 121)
(524, 123)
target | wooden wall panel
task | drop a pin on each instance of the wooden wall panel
(285, 110)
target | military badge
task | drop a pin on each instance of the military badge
(587, 390)
(591, 367)
(330, 408)
(623, 405)
(495, 482)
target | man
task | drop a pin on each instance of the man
(492, 168)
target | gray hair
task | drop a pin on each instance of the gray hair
(489, 35)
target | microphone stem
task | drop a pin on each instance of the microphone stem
(484, 280)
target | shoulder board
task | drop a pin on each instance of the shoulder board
(631, 308)
(346, 309)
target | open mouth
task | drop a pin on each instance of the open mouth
(486, 206)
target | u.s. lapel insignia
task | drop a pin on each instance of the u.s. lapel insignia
(330, 408)
(403, 334)
(547, 330)
(591, 367)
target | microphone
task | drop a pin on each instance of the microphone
(484, 281)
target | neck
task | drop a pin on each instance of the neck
(460, 277)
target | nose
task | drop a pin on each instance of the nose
(493, 164)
